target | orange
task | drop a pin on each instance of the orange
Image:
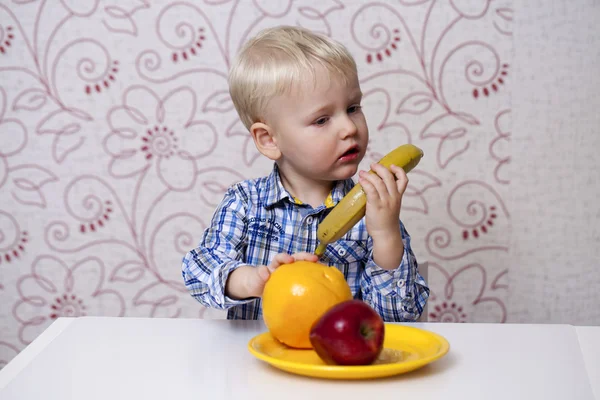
(298, 294)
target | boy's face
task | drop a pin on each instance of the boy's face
(320, 129)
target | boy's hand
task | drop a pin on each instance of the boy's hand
(258, 276)
(384, 191)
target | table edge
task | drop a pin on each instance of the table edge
(25, 356)
(578, 330)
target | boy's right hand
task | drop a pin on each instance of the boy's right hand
(249, 281)
(263, 272)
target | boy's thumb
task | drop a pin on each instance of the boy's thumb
(263, 273)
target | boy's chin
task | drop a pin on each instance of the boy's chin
(346, 173)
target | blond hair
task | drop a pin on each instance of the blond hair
(277, 59)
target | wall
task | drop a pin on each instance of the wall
(555, 186)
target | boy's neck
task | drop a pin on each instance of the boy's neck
(308, 191)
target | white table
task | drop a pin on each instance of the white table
(589, 342)
(137, 358)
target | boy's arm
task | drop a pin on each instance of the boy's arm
(216, 272)
(388, 250)
(398, 294)
(207, 268)
(390, 282)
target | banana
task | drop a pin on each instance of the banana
(351, 208)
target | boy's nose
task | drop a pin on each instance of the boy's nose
(348, 128)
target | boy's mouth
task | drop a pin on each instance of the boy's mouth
(350, 154)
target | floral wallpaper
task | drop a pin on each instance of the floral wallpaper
(118, 139)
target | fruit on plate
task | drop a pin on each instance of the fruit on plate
(349, 333)
(296, 295)
(351, 208)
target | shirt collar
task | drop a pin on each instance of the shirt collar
(276, 192)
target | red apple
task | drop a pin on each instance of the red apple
(349, 333)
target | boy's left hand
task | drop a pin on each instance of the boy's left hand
(384, 191)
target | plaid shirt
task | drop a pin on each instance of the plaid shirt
(260, 218)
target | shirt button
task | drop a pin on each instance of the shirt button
(401, 282)
(342, 252)
(309, 220)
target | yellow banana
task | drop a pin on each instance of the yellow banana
(352, 207)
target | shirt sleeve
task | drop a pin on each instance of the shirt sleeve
(206, 268)
(398, 294)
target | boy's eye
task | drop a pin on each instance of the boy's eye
(321, 121)
(353, 109)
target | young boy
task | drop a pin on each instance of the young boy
(298, 94)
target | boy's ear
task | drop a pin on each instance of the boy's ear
(265, 140)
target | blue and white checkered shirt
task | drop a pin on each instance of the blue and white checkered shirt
(259, 218)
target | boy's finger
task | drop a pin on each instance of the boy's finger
(401, 178)
(304, 256)
(368, 187)
(379, 177)
(280, 259)
(389, 177)
(382, 171)
(263, 273)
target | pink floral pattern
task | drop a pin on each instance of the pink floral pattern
(148, 130)
(484, 304)
(7, 36)
(119, 138)
(52, 290)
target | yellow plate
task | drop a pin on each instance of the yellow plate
(405, 349)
